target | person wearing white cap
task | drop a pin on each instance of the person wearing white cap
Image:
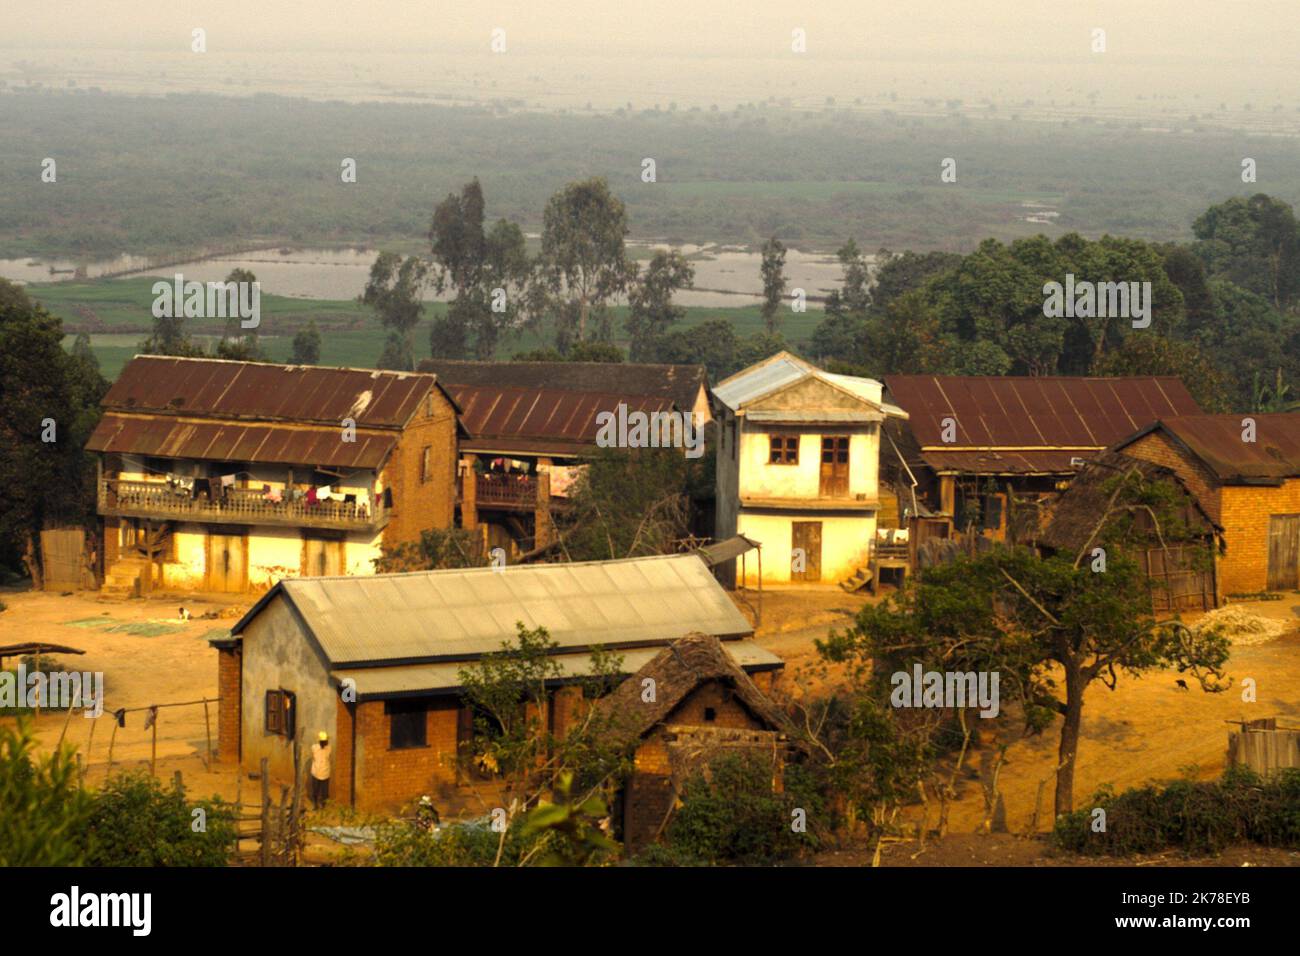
(320, 770)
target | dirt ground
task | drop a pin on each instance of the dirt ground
(1147, 729)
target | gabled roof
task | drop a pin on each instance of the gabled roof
(679, 384)
(257, 391)
(1029, 425)
(784, 370)
(676, 671)
(539, 420)
(1216, 440)
(439, 616)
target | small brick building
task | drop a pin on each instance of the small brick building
(375, 662)
(1245, 471)
(686, 706)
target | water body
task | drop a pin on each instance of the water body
(724, 275)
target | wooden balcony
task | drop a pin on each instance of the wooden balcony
(506, 492)
(163, 502)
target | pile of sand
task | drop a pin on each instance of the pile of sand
(1240, 626)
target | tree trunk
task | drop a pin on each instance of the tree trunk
(1074, 687)
(32, 559)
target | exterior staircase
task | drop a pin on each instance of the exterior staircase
(124, 576)
(859, 580)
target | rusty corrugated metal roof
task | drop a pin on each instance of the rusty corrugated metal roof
(1030, 424)
(505, 418)
(169, 437)
(260, 391)
(1218, 441)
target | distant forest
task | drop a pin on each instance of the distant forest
(153, 175)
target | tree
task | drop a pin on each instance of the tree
(652, 312)
(394, 292)
(773, 271)
(1254, 243)
(584, 260)
(49, 404)
(487, 271)
(1041, 622)
(306, 346)
(1155, 355)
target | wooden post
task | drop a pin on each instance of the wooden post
(153, 747)
(295, 819)
(282, 826)
(266, 813)
(207, 726)
(469, 493)
(111, 740)
(38, 683)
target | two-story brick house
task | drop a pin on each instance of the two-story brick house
(228, 476)
(801, 468)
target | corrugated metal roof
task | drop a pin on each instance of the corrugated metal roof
(448, 615)
(1024, 415)
(260, 391)
(425, 678)
(681, 384)
(506, 418)
(1217, 441)
(168, 437)
(734, 547)
(784, 369)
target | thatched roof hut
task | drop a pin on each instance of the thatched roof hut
(1073, 522)
(677, 670)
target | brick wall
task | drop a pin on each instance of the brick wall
(387, 779)
(1245, 520)
(1200, 481)
(418, 504)
(229, 701)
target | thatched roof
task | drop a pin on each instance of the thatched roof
(677, 670)
(1075, 514)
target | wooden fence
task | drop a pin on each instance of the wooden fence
(1263, 746)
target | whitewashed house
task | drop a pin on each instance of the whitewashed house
(801, 477)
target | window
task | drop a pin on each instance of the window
(710, 714)
(783, 449)
(426, 463)
(281, 716)
(407, 722)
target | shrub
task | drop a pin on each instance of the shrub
(473, 843)
(138, 822)
(1196, 818)
(43, 813)
(730, 814)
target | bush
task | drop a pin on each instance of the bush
(730, 814)
(1196, 818)
(138, 822)
(43, 813)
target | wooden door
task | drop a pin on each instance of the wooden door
(227, 564)
(322, 558)
(835, 466)
(807, 536)
(63, 558)
(1283, 552)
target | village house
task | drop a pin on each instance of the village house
(530, 426)
(1180, 558)
(229, 476)
(375, 662)
(798, 468)
(990, 453)
(704, 706)
(1245, 471)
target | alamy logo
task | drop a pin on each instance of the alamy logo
(940, 689)
(134, 910)
(1098, 300)
(55, 690)
(638, 429)
(212, 300)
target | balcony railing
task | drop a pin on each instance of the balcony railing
(506, 491)
(152, 499)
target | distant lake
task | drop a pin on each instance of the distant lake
(724, 276)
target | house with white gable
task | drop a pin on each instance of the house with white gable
(801, 469)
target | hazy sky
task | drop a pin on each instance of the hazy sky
(1241, 32)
